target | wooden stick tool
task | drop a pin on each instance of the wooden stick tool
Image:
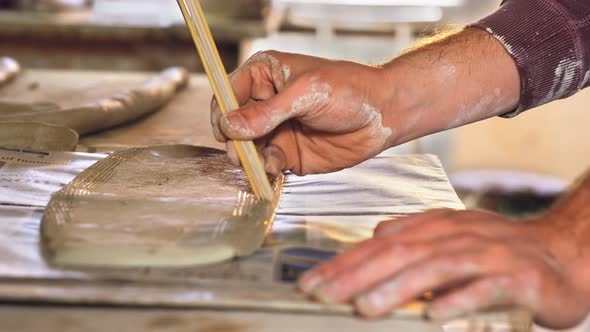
(199, 29)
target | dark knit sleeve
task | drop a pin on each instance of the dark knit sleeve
(550, 43)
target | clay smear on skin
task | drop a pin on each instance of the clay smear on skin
(503, 290)
(378, 130)
(492, 104)
(274, 64)
(384, 295)
(286, 70)
(319, 95)
(281, 73)
(448, 72)
(471, 112)
(459, 305)
(316, 96)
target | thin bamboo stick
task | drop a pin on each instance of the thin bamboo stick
(197, 24)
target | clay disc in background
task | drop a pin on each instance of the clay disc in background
(37, 136)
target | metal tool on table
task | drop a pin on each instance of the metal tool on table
(197, 24)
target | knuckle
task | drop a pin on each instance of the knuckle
(383, 226)
(442, 223)
(273, 53)
(396, 249)
(498, 251)
(254, 57)
(264, 58)
(412, 250)
(309, 78)
(469, 239)
(529, 275)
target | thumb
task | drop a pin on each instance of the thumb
(261, 118)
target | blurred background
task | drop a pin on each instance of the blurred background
(531, 159)
(534, 156)
(517, 166)
(514, 166)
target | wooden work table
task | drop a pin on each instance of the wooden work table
(185, 120)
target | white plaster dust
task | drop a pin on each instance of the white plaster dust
(286, 70)
(318, 95)
(448, 71)
(471, 112)
(502, 40)
(378, 130)
(586, 80)
(564, 79)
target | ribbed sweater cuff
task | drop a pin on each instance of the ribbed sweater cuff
(543, 43)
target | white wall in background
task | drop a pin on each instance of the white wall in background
(158, 10)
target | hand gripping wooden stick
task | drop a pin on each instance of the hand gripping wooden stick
(197, 24)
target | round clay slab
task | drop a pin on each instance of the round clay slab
(37, 136)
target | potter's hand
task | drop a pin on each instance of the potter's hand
(312, 115)
(307, 115)
(479, 260)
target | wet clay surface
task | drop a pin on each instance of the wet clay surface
(88, 116)
(162, 206)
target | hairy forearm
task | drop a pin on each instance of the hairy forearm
(454, 80)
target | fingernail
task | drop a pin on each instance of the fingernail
(364, 306)
(310, 282)
(324, 295)
(273, 163)
(446, 314)
(215, 117)
(236, 124)
(370, 303)
(218, 135)
(382, 297)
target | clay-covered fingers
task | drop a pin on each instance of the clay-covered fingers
(395, 226)
(260, 144)
(374, 262)
(356, 279)
(273, 151)
(349, 260)
(436, 224)
(487, 293)
(263, 117)
(438, 272)
(274, 159)
(312, 281)
(533, 285)
(215, 117)
(254, 81)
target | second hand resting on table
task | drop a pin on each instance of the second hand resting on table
(311, 115)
